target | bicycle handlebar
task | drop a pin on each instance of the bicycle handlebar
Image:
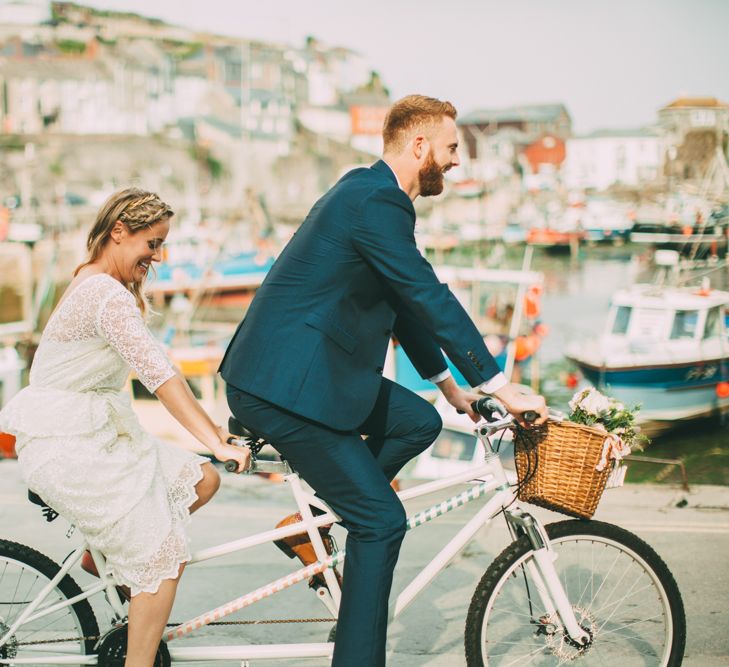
(488, 408)
(231, 465)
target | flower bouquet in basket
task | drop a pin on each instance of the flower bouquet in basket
(591, 408)
(566, 464)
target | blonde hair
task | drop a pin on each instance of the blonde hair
(409, 113)
(137, 209)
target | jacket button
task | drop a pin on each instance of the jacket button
(379, 370)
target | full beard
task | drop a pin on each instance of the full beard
(430, 177)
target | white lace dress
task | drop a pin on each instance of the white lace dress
(81, 447)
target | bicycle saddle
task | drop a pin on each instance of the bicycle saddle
(237, 428)
(256, 444)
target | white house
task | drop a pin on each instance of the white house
(607, 157)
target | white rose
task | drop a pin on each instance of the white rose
(577, 398)
(595, 403)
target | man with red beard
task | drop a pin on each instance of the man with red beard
(304, 369)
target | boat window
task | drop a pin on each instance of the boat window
(622, 319)
(684, 324)
(712, 328)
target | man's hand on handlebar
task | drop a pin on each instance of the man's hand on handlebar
(517, 403)
(460, 399)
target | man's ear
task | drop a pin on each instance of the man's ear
(118, 231)
(420, 146)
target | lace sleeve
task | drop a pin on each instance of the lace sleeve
(120, 323)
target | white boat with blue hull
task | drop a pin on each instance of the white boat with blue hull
(666, 348)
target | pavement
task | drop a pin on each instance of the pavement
(690, 530)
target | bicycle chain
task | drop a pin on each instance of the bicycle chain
(270, 621)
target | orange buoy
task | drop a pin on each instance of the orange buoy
(722, 390)
(532, 306)
(525, 346)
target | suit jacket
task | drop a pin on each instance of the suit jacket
(315, 336)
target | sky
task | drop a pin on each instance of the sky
(613, 63)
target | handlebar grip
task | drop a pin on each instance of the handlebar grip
(231, 465)
(530, 416)
(487, 407)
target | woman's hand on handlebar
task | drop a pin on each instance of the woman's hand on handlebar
(517, 403)
(224, 452)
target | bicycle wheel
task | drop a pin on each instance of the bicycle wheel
(621, 591)
(24, 572)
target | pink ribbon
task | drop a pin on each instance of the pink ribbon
(614, 449)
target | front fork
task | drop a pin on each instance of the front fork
(543, 574)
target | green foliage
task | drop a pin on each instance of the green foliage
(215, 167)
(182, 50)
(71, 46)
(105, 41)
(205, 158)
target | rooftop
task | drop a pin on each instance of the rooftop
(621, 133)
(533, 113)
(694, 102)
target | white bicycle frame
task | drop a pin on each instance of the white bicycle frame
(484, 479)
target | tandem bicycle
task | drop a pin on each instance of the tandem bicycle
(577, 591)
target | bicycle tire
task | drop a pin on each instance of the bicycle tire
(23, 573)
(512, 628)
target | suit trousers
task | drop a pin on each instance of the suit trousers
(352, 475)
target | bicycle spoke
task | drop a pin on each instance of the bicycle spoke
(25, 573)
(628, 625)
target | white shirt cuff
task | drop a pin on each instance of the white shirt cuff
(441, 376)
(494, 384)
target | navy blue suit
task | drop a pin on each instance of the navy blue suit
(305, 370)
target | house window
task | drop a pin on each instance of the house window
(684, 324)
(622, 319)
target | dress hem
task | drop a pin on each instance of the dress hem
(180, 511)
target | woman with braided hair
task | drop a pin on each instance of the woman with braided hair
(80, 445)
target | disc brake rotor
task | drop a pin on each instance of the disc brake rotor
(10, 648)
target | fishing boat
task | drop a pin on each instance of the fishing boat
(604, 220)
(665, 347)
(192, 265)
(474, 287)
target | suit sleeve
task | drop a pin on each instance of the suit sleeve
(422, 350)
(383, 234)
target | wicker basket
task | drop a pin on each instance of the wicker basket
(565, 455)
